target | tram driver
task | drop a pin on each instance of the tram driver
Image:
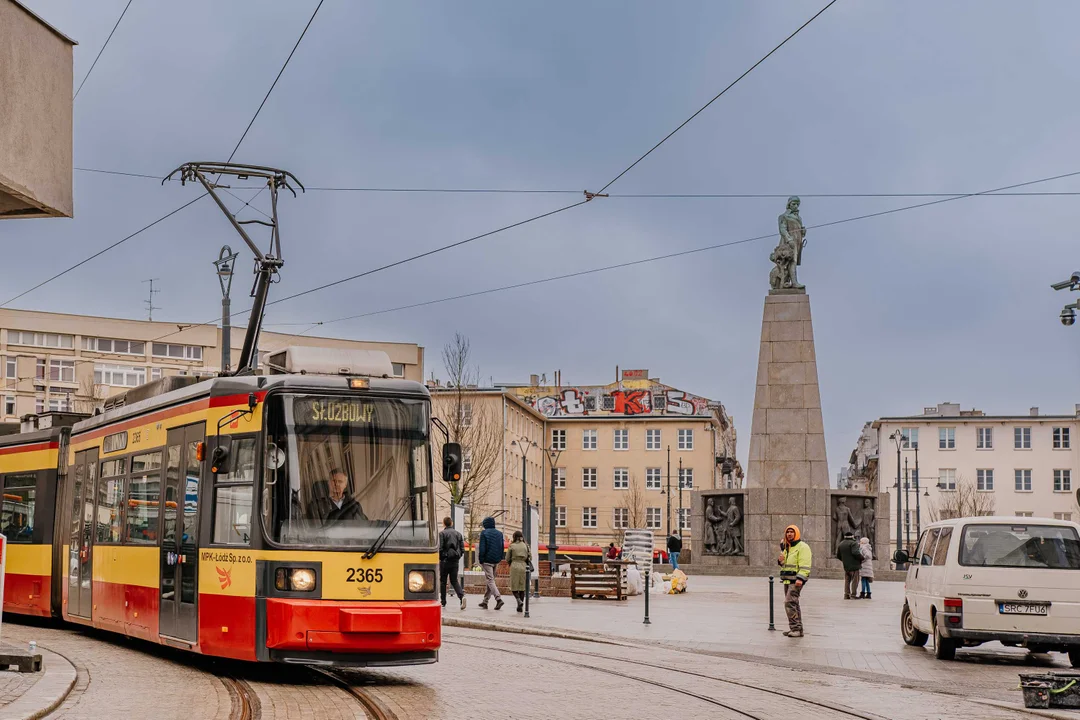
(333, 502)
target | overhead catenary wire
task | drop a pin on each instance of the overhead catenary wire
(720, 94)
(105, 45)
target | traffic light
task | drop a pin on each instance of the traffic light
(451, 460)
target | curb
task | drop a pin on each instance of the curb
(57, 679)
(538, 632)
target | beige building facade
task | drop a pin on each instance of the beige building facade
(1024, 465)
(35, 116)
(54, 361)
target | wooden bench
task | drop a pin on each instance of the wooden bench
(595, 580)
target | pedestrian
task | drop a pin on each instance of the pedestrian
(674, 547)
(866, 570)
(519, 558)
(451, 548)
(848, 553)
(794, 564)
(491, 554)
(612, 552)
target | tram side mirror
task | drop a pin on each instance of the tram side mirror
(219, 459)
(900, 557)
(252, 401)
(451, 460)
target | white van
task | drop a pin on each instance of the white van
(1011, 579)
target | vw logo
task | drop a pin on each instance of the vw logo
(1022, 594)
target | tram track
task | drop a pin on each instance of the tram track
(245, 703)
(374, 708)
(838, 710)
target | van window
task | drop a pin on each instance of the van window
(925, 552)
(941, 550)
(1030, 546)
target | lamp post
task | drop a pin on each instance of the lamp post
(907, 508)
(668, 490)
(553, 454)
(680, 496)
(224, 264)
(523, 446)
(918, 506)
(898, 438)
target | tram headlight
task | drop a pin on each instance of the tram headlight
(421, 581)
(295, 579)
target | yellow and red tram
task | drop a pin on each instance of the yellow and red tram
(270, 518)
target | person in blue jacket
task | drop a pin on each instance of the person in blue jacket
(490, 555)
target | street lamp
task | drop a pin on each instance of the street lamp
(553, 455)
(898, 438)
(523, 446)
(225, 263)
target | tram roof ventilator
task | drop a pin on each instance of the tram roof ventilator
(305, 360)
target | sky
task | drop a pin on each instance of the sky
(950, 302)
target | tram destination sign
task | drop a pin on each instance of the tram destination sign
(329, 411)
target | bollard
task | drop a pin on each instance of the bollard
(772, 617)
(647, 583)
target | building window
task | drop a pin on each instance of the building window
(622, 439)
(1023, 480)
(155, 373)
(686, 439)
(40, 369)
(1063, 481)
(652, 478)
(947, 479)
(984, 438)
(120, 347)
(558, 439)
(10, 365)
(560, 477)
(984, 480)
(119, 375)
(620, 518)
(946, 438)
(398, 369)
(9, 405)
(684, 518)
(910, 438)
(179, 352)
(560, 516)
(652, 518)
(1061, 438)
(652, 439)
(62, 370)
(588, 517)
(45, 340)
(59, 405)
(1022, 513)
(588, 478)
(1066, 516)
(1022, 438)
(588, 439)
(466, 460)
(686, 478)
(465, 415)
(622, 479)
(39, 405)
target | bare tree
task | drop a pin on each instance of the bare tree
(633, 501)
(476, 425)
(89, 396)
(964, 501)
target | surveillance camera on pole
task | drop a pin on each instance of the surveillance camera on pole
(1068, 313)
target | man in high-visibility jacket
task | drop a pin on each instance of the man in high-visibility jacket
(794, 572)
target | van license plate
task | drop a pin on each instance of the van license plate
(1024, 609)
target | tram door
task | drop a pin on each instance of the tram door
(81, 538)
(179, 534)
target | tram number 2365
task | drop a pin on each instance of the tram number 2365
(364, 575)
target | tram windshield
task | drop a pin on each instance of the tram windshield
(343, 471)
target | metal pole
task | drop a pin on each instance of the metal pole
(647, 583)
(668, 519)
(772, 612)
(536, 580)
(226, 334)
(918, 506)
(680, 494)
(899, 512)
(907, 508)
(525, 523)
(551, 524)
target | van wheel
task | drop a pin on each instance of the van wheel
(912, 635)
(1074, 656)
(944, 648)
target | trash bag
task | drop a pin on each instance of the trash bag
(635, 584)
(667, 588)
(678, 582)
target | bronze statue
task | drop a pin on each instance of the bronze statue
(788, 253)
(868, 527)
(734, 544)
(712, 519)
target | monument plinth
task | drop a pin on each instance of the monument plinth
(787, 480)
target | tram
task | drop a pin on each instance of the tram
(283, 518)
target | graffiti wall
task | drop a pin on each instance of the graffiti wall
(625, 398)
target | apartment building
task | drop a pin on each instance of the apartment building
(60, 362)
(973, 462)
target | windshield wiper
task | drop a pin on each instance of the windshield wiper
(399, 512)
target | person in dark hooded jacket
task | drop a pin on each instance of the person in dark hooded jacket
(848, 553)
(490, 555)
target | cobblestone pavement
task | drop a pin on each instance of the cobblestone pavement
(728, 618)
